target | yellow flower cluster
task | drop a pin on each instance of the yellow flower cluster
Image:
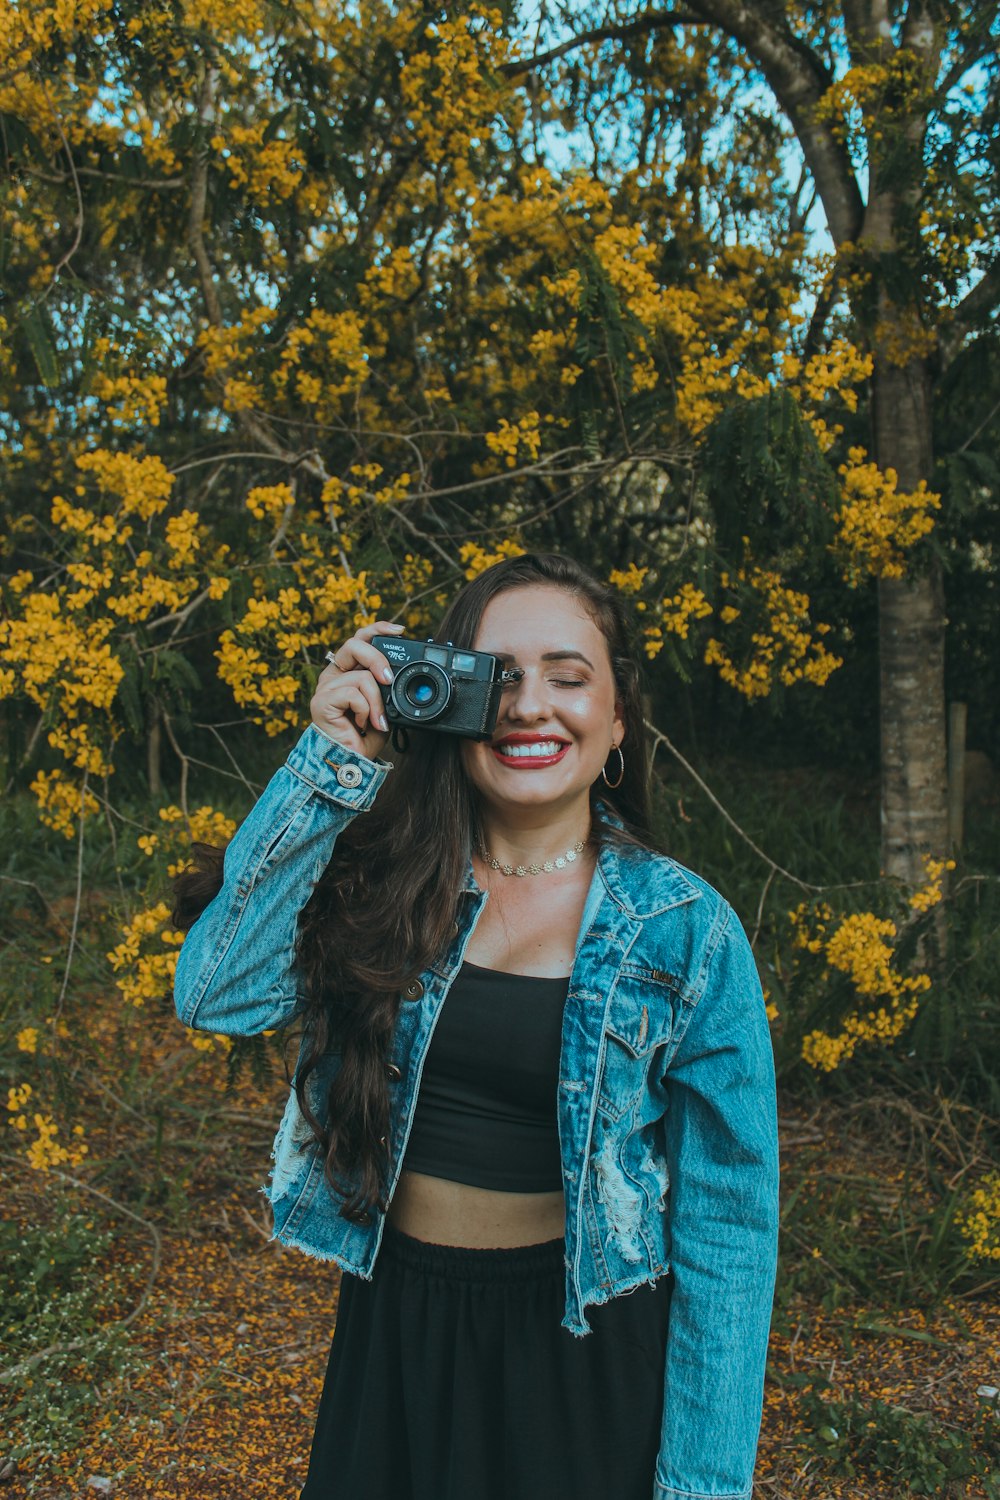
(861, 948)
(269, 502)
(689, 603)
(268, 168)
(276, 630)
(931, 893)
(247, 673)
(676, 615)
(17, 1097)
(784, 648)
(860, 945)
(979, 1223)
(59, 655)
(513, 437)
(831, 375)
(415, 574)
(324, 359)
(476, 559)
(145, 960)
(396, 277)
(60, 802)
(27, 1039)
(141, 482)
(452, 87)
(847, 100)
(132, 400)
(237, 20)
(629, 580)
(62, 639)
(146, 973)
(205, 825)
(45, 1150)
(876, 523)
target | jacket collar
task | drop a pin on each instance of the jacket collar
(642, 883)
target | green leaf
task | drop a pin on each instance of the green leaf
(38, 331)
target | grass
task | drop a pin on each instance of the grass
(154, 1338)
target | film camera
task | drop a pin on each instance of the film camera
(442, 687)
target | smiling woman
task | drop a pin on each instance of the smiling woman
(535, 1076)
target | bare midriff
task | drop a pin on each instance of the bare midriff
(441, 1212)
(520, 934)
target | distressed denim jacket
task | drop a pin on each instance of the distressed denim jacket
(666, 1104)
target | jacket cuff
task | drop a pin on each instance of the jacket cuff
(336, 773)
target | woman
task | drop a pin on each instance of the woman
(535, 1076)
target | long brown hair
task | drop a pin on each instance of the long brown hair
(386, 904)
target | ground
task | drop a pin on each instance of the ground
(229, 1332)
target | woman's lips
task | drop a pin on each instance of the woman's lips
(528, 755)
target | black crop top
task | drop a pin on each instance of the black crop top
(486, 1110)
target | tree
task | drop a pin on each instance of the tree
(305, 318)
(893, 107)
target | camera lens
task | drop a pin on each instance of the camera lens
(421, 691)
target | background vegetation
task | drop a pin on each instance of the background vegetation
(310, 311)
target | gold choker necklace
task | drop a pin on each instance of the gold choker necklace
(559, 863)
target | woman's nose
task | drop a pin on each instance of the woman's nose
(527, 700)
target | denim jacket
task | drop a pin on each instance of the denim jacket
(666, 1104)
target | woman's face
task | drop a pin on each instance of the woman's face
(556, 726)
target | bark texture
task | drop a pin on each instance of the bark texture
(911, 637)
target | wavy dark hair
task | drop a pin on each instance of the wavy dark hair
(386, 904)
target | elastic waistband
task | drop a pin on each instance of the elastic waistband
(462, 1263)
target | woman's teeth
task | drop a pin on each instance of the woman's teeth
(542, 749)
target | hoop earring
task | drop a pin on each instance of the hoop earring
(621, 771)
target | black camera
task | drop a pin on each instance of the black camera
(441, 687)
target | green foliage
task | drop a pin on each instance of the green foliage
(877, 1441)
(64, 1347)
(766, 479)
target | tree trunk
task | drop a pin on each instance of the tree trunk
(911, 632)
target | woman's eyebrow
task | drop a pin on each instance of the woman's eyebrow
(507, 658)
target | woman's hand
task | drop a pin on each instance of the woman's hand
(347, 704)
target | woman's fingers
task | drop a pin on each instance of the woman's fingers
(355, 693)
(359, 652)
(347, 705)
(356, 653)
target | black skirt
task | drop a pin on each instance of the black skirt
(450, 1378)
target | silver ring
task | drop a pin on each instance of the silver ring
(333, 661)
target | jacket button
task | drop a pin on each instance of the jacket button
(413, 990)
(349, 776)
(392, 1073)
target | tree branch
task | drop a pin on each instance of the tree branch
(618, 33)
(658, 739)
(199, 198)
(797, 77)
(153, 184)
(78, 232)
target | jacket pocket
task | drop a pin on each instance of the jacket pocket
(639, 1020)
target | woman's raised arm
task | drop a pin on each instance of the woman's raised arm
(236, 973)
